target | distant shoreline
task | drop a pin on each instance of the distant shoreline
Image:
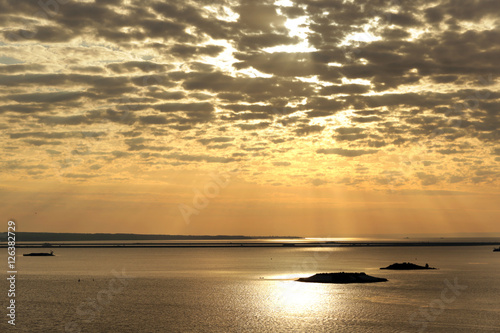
(92, 237)
(251, 244)
(51, 240)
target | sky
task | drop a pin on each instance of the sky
(308, 118)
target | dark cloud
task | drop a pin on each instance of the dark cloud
(247, 116)
(282, 64)
(346, 152)
(78, 175)
(46, 34)
(322, 107)
(221, 146)
(350, 137)
(21, 108)
(57, 135)
(216, 139)
(130, 134)
(349, 89)
(60, 120)
(349, 130)
(449, 151)
(144, 66)
(21, 68)
(308, 129)
(187, 107)
(88, 69)
(259, 16)
(43, 142)
(318, 182)
(253, 126)
(153, 120)
(56, 97)
(282, 164)
(186, 51)
(16, 165)
(199, 158)
(427, 179)
(366, 119)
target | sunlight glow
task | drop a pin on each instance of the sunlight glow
(355, 81)
(224, 60)
(364, 36)
(283, 3)
(310, 79)
(415, 34)
(223, 13)
(361, 37)
(252, 72)
(297, 297)
(297, 27)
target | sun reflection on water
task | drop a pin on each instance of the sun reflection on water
(296, 298)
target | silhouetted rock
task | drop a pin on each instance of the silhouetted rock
(407, 266)
(342, 278)
(39, 254)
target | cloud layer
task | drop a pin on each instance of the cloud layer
(389, 94)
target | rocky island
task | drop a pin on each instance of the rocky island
(342, 277)
(407, 266)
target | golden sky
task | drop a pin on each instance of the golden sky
(314, 118)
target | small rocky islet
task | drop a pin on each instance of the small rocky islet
(342, 277)
(407, 266)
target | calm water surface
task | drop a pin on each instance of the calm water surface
(252, 290)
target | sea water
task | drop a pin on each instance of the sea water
(247, 289)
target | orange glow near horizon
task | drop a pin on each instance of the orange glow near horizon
(249, 209)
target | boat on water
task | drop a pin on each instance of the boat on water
(39, 254)
(497, 249)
